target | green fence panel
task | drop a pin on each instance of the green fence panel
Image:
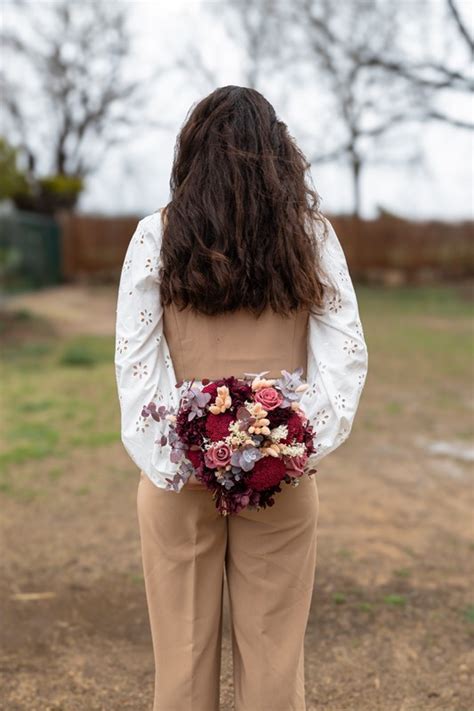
(29, 250)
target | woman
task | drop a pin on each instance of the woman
(239, 273)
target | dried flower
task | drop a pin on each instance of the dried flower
(261, 421)
(222, 402)
(291, 385)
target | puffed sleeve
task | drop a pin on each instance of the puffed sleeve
(337, 354)
(143, 367)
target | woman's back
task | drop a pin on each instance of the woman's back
(157, 345)
(234, 343)
(234, 281)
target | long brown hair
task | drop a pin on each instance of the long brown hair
(239, 229)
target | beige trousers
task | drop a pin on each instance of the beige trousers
(269, 557)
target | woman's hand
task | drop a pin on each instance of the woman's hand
(194, 483)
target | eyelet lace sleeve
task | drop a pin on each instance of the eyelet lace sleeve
(143, 366)
(337, 356)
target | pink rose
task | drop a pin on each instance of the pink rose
(217, 456)
(269, 398)
(295, 465)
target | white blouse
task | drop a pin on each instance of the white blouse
(336, 369)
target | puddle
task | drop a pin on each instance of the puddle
(448, 453)
(454, 450)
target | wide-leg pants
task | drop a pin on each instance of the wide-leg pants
(269, 557)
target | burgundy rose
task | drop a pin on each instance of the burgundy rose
(217, 426)
(217, 456)
(269, 398)
(267, 472)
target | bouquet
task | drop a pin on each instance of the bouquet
(242, 437)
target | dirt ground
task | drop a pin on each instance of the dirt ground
(391, 625)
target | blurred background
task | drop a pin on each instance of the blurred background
(379, 97)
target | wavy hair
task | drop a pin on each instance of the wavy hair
(239, 230)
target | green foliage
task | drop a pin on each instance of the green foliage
(12, 179)
(48, 193)
(63, 185)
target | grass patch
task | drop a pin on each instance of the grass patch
(438, 300)
(339, 598)
(404, 319)
(55, 474)
(468, 614)
(50, 409)
(402, 572)
(345, 553)
(23, 315)
(33, 406)
(83, 491)
(393, 407)
(95, 439)
(77, 356)
(87, 352)
(33, 352)
(395, 600)
(29, 441)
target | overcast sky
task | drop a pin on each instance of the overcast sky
(135, 177)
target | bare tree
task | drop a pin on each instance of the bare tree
(364, 110)
(438, 73)
(251, 27)
(190, 62)
(280, 41)
(68, 97)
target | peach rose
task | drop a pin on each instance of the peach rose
(269, 398)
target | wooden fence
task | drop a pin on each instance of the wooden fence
(387, 249)
(94, 246)
(390, 249)
(36, 251)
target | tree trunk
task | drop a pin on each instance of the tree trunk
(356, 184)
